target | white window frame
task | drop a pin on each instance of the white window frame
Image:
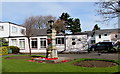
(14, 42)
(60, 39)
(22, 31)
(14, 29)
(22, 43)
(43, 42)
(35, 46)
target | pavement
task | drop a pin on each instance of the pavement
(111, 56)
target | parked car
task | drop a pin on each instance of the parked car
(117, 47)
(102, 46)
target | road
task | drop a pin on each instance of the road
(110, 56)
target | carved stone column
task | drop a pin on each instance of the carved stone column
(51, 38)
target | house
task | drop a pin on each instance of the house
(104, 35)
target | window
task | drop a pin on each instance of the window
(115, 36)
(43, 42)
(73, 39)
(92, 41)
(14, 42)
(14, 29)
(1, 28)
(22, 43)
(22, 31)
(91, 35)
(34, 42)
(59, 40)
(99, 36)
(105, 34)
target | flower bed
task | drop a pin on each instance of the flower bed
(96, 63)
(46, 60)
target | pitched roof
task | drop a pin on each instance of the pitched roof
(107, 31)
(12, 23)
(103, 31)
(43, 32)
(40, 32)
(89, 32)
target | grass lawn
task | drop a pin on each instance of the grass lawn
(21, 65)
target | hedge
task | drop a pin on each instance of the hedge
(14, 49)
(5, 50)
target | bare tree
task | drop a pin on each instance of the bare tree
(109, 9)
(30, 25)
(41, 22)
(35, 23)
(59, 26)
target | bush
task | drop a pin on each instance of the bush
(14, 49)
(3, 50)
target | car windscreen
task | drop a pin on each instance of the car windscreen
(101, 44)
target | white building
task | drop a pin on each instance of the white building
(38, 42)
(104, 35)
(8, 29)
(68, 43)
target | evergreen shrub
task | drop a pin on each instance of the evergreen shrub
(14, 49)
(3, 50)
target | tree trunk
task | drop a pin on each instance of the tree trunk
(29, 45)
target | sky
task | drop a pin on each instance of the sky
(17, 12)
